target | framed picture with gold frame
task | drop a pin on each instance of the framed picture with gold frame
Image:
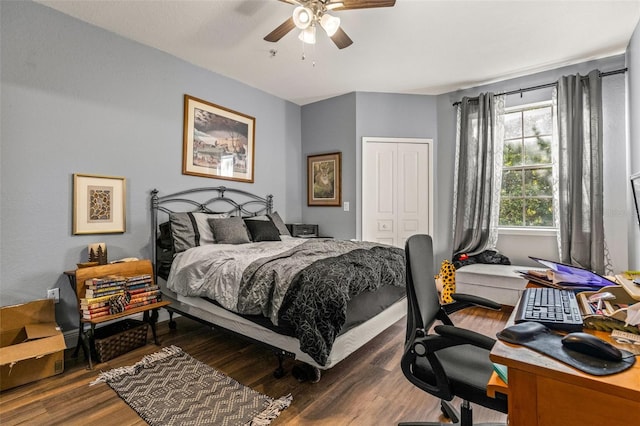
(98, 204)
(324, 179)
(217, 142)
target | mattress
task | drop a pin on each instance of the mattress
(344, 345)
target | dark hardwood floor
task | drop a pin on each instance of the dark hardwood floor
(367, 388)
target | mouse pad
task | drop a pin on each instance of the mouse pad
(539, 338)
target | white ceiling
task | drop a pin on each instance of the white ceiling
(417, 46)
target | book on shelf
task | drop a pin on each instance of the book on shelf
(95, 310)
(143, 303)
(93, 300)
(139, 278)
(97, 305)
(89, 315)
(92, 294)
(97, 290)
(143, 290)
(138, 286)
(144, 296)
(105, 281)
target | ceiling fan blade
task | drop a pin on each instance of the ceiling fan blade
(364, 4)
(341, 39)
(282, 30)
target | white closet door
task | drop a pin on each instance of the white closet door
(379, 193)
(396, 189)
(413, 191)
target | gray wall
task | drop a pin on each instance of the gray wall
(78, 99)
(633, 113)
(329, 126)
(339, 124)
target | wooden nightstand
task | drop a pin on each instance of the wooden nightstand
(78, 278)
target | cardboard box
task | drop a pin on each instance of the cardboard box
(31, 344)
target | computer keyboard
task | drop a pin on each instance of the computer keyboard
(552, 307)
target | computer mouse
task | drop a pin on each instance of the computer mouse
(589, 344)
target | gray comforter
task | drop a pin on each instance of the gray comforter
(306, 283)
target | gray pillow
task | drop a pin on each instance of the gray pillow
(231, 230)
(191, 229)
(279, 223)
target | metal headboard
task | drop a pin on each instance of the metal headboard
(216, 199)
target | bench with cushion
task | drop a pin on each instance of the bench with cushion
(501, 283)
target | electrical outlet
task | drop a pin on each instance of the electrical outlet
(54, 293)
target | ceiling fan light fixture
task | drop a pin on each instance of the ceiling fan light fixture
(308, 35)
(330, 24)
(302, 17)
(335, 5)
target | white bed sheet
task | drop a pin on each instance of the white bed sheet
(215, 270)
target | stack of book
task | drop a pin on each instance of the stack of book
(105, 296)
(142, 291)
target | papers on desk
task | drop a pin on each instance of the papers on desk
(559, 280)
(566, 277)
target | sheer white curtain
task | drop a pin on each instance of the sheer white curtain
(477, 173)
(578, 104)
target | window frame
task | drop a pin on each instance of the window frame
(528, 229)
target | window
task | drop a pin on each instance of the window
(526, 196)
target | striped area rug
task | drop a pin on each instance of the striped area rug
(170, 387)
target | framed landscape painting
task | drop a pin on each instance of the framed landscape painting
(324, 174)
(218, 142)
(98, 204)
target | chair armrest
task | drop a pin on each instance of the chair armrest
(463, 336)
(427, 347)
(463, 301)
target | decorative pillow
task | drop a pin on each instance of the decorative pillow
(261, 217)
(165, 241)
(279, 223)
(231, 230)
(191, 229)
(262, 230)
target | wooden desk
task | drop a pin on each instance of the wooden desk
(543, 391)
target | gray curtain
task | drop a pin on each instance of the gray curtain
(580, 180)
(478, 173)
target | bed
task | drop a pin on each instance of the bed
(224, 257)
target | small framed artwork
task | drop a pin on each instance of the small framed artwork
(218, 142)
(324, 179)
(98, 204)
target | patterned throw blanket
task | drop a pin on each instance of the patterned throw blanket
(309, 286)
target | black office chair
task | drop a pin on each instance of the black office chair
(453, 361)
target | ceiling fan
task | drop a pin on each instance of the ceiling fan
(309, 14)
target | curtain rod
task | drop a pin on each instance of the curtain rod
(544, 86)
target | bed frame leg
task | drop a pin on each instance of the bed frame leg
(172, 322)
(279, 372)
